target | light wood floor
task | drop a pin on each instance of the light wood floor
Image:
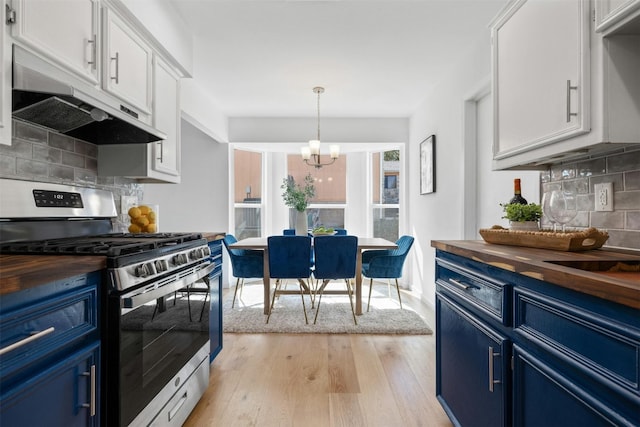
(323, 380)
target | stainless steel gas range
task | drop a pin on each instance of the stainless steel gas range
(154, 299)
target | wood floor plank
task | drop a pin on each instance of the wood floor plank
(320, 380)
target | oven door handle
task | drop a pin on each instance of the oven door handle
(137, 299)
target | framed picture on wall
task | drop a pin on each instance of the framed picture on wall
(428, 165)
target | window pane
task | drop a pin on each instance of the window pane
(247, 222)
(330, 181)
(385, 177)
(248, 176)
(325, 217)
(385, 223)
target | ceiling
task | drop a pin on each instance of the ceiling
(374, 58)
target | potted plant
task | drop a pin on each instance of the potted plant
(522, 217)
(297, 196)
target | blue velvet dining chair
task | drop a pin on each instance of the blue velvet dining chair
(289, 232)
(246, 264)
(386, 264)
(335, 258)
(289, 258)
(340, 231)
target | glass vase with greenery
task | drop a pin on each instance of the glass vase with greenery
(298, 196)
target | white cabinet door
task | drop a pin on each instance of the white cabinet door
(5, 83)
(127, 61)
(540, 74)
(65, 31)
(166, 118)
(612, 14)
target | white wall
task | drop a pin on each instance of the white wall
(439, 216)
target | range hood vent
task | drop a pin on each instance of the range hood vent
(46, 96)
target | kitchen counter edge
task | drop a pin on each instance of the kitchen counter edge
(536, 263)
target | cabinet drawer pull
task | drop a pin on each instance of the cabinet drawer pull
(117, 76)
(92, 399)
(569, 89)
(491, 380)
(93, 44)
(460, 284)
(27, 340)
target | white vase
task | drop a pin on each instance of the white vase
(302, 227)
(524, 225)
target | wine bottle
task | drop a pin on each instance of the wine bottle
(517, 194)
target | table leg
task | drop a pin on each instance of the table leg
(359, 283)
(266, 281)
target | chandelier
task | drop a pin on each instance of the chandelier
(311, 154)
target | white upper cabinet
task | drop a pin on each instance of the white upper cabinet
(540, 74)
(166, 118)
(611, 15)
(561, 90)
(5, 83)
(65, 31)
(127, 58)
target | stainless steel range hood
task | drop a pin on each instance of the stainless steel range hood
(45, 95)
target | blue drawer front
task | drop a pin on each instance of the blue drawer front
(605, 349)
(484, 293)
(72, 316)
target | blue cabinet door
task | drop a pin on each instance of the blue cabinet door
(64, 395)
(543, 396)
(472, 367)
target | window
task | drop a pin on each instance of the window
(247, 193)
(327, 208)
(385, 179)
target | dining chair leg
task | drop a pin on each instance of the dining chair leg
(304, 308)
(353, 311)
(236, 291)
(321, 288)
(398, 289)
(370, 291)
(273, 300)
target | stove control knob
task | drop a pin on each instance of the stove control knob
(194, 254)
(144, 270)
(180, 259)
(206, 251)
(161, 265)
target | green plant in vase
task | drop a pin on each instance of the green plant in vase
(298, 196)
(522, 216)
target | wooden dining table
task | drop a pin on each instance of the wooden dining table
(364, 243)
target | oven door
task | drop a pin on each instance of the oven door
(162, 326)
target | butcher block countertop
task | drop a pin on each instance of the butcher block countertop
(595, 276)
(18, 272)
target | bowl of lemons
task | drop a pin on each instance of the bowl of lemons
(143, 219)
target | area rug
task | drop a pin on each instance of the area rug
(384, 317)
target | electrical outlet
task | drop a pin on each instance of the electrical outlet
(604, 196)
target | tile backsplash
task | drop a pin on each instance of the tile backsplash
(622, 168)
(38, 154)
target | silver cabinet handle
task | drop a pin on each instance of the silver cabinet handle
(460, 284)
(491, 380)
(35, 336)
(93, 44)
(569, 89)
(117, 76)
(92, 399)
(161, 158)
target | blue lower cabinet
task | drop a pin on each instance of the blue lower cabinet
(551, 357)
(49, 363)
(472, 367)
(215, 308)
(64, 395)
